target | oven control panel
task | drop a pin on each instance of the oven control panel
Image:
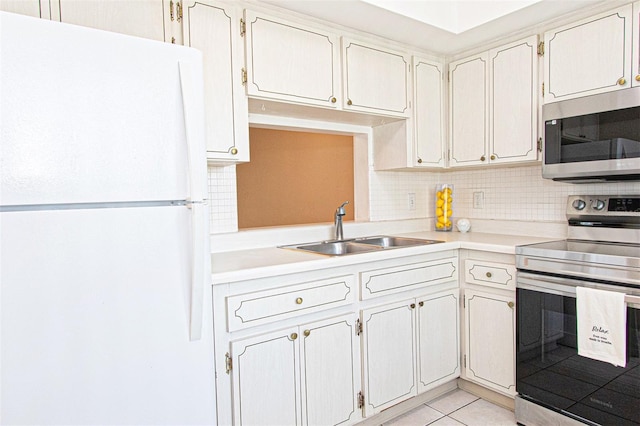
(603, 205)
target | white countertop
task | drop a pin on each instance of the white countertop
(262, 262)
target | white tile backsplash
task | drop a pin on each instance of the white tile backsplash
(514, 193)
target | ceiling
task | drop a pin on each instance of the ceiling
(443, 27)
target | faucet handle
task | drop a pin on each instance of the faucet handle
(340, 211)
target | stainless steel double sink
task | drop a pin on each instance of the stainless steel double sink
(359, 245)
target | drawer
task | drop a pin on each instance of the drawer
(491, 274)
(383, 281)
(252, 309)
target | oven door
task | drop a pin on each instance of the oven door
(549, 371)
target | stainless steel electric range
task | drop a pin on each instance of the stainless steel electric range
(555, 385)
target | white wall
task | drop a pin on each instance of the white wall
(517, 193)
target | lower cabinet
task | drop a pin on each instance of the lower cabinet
(490, 340)
(409, 347)
(308, 374)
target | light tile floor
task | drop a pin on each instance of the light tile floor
(454, 409)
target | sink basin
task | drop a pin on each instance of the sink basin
(359, 245)
(391, 242)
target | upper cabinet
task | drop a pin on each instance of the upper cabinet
(590, 56)
(214, 28)
(375, 79)
(428, 134)
(493, 106)
(291, 62)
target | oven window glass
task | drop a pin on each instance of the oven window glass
(551, 373)
(601, 136)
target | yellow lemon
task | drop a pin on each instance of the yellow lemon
(439, 203)
(439, 194)
(448, 224)
(449, 212)
(441, 219)
(439, 211)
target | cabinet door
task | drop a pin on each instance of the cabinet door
(330, 362)
(266, 382)
(141, 18)
(590, 56)
(438, 339)
(35, 8)
(427, 113)
(389, 355)
(468, 109)
(490, 340)
(292, 62)
(513, 106)
(375, 79)
(635, 74)
(214, 29)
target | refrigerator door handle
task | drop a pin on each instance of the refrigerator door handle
(193, 107)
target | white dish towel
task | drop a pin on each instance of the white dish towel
(602, 325)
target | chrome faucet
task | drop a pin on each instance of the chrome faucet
(338, 221)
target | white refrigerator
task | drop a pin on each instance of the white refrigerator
(105, 308)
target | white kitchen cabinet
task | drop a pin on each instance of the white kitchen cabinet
(300, 375)
(35, 8)
(438, 338)
(153, 19)
(291, 62)
(636, 45)
(513, 102)
(494, 106)
(389, 349)
(428, 120)
(490, 340)
(468, 110)
(590, 56)
(214, 28)
(375, 79)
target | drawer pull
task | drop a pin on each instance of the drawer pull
(307, 333)
(299, 301)
(511, 304)
(489, 275)
(294, 336)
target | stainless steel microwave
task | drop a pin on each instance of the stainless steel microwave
(594, 138)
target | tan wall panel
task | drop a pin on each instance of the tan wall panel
(294, 178)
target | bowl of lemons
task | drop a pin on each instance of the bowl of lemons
(444, 207)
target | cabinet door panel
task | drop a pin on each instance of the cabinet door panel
(513, 102)
(427, 107)
(289, 61)
(490, 340)
(438, 339)
(468, 110)
(141, 18)
(266, 382)
(375, 79)
(214, 29)
(25, 7)
(330, 365)
(389, 355)
(635, 44)
(571, 67)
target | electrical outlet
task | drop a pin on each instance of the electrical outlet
(411, 200)
(478, 200)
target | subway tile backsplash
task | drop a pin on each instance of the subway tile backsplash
(515, 193)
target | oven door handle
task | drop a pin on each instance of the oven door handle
(567, 286)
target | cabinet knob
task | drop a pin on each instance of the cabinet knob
(412, 306)
(349, 102)
(622, 82)
(334, 100)
(489, 275)
(299, 301)
(638, 77)
(307, 333)
(421, 304)
(294, 336)
(419, 160)
(234, 151)
(483, 158)
(493, 157)
(511, 304)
